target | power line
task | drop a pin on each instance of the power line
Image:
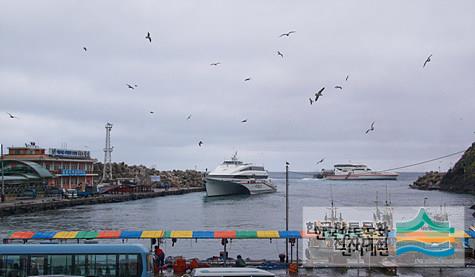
(396, 168)
(424, 162)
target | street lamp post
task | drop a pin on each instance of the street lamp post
(286, 210)
(2, 197)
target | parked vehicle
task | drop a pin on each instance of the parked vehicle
(53, 191)
(28, 194)
(70, 194)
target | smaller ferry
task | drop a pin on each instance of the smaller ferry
(358, 172)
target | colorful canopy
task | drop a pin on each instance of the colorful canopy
(148, 234)
(179, 234)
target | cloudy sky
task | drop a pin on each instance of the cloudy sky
(64, 95)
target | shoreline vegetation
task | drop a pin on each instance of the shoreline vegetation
(459, 179)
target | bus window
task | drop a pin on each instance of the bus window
(80, 265)
(12, 266)
(129, 266)
(60, 264)
(105, 265)
(37, 265)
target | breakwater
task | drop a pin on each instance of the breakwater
(42, 204)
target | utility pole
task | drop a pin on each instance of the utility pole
(286, 210)
(2, 197)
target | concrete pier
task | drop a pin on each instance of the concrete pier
(42, 204)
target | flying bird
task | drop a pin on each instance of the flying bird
(287, 34)
(347, 76)
(244, 121)
(188, 117)
(427, 60)
(247, 79)
(339, 87)
(200, 143)
(85, 49)
(130, 86)
(11, 115)
(148, 37)
(152, 112)
(371, 128)
(319, 93)
(320, 161)
(280, 54)
(215, 64)
(311, 101)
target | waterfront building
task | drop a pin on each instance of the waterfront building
(70, 168)
(24, 179)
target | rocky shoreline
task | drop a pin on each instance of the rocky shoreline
(141, 173)
(429, 181)
(459, 179)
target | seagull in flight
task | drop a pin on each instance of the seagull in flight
(188, 117)
(347, 76)
(287, 34)
(131, 87)
(280, 54)
(371, 128)
(85, 49)
(12, 116)
(427, 60)
(247, 79)
(244, 121)
(200, 143)
(320, 161)
(148, 37)
(311, 101)
(215, 64)
(319, 93)
(152, 112)
(339, 87)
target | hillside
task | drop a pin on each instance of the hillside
(176, 178)
(461, 178)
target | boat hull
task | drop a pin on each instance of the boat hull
(220, 186)
(353, 177)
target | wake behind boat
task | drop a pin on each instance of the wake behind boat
(358, 172)
(236, 177)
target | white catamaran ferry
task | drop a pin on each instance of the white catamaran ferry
(236, 177)
(359, 172)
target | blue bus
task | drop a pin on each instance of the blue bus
(119, 260)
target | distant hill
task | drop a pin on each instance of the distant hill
(461, 178)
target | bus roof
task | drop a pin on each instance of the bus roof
(18, 249)
(231, 271)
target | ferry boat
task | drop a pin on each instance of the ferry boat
(359, 172)
(235, 177)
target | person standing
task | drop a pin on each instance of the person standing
(160, 257)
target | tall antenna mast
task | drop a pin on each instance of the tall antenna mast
(107, 169)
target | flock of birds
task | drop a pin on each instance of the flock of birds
(318, 94)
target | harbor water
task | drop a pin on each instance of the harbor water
(195, 211)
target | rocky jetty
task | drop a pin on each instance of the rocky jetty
(429, 181)
(461, 178)
(141, 173)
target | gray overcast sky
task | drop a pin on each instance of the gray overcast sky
(63, 94)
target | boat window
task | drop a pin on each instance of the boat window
(253, 168)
